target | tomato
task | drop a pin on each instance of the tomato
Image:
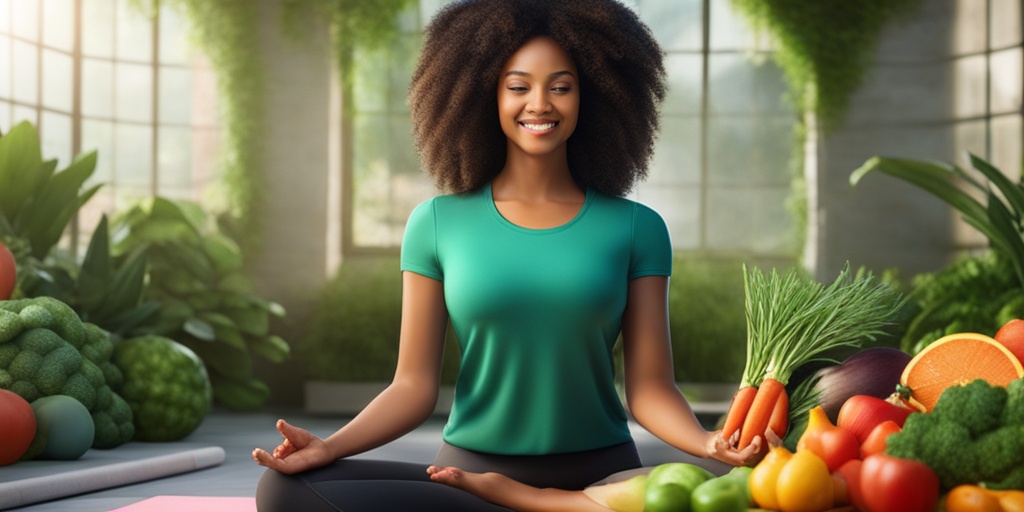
(765, 475)
(862, 413)
(876, 440)
(850, 473)
(804, 484)
(834, 445)
(17, 427)
(8, 272)
(891, 484)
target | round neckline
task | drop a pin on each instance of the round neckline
(489, 197)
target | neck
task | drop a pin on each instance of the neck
(531, 176)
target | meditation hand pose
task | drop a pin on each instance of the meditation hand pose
(535, 118)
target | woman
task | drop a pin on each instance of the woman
(534, 257)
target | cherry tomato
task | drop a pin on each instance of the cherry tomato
(876, 440)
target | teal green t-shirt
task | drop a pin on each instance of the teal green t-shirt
(536, 312)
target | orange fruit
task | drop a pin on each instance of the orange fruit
(955, 360)
(1011, 335)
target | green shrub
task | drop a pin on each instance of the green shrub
(355, 327)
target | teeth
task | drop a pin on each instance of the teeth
(539, 127)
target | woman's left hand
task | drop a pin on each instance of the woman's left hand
(722, 449)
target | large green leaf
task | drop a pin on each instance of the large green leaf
(21, 167)
(95, 274)
(933, 177)
(1011, 191)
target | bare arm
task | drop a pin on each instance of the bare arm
(404, 405)
(651, 392)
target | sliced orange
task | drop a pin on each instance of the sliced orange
(955, 360)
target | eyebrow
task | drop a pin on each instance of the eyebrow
(552, 75)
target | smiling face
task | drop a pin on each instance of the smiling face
(538, 98)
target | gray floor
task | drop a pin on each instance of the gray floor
(237, 434)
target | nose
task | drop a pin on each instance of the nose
(539, 102)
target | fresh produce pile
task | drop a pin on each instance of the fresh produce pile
(66, 386)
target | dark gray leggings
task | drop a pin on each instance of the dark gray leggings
(354, 485)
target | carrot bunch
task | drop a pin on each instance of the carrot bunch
(792, 320)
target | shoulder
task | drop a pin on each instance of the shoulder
(638, 212)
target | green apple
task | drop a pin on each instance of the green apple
(721, 494)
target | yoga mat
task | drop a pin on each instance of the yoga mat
(192, 504)
(59, 485)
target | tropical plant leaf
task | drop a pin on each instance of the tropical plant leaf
(1011, 191)
(21, 161)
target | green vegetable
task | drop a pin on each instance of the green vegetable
(45, 349)
(973, 436)
(720, 494)
(166, 386)
(669, 486)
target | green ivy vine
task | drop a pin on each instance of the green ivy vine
(824, 48)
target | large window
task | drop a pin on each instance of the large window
(103, 75)
(721, 174)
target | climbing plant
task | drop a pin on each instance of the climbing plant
(824, 48)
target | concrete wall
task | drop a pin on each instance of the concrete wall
(300, 173)
(925, 98)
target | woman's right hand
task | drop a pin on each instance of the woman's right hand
(300, 450)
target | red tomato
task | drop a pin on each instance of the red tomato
(17, 427)
(891, 484)
(876, 440)
(850, 472)
(8, 272)
(834, 445)
(862, 413)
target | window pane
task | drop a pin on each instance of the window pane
(174, 41)
(684, 84)
(1007, 82)
(676, 24)
(97, 88)
(26, 77)
(204, 97)
(25, 19)
(134, 98)
(969, 84)
(5, 116)
(739, 86)
(5, 66)
(134, 37)
(174, 159)
(5, 16)
(98, 29)
(370, 83)
(59, 24)
(677, 154)
(133, 156)
(58, 79)
(1006, 23)
(55, 137)
(175, 95)
(729, 30)
(22, 113)
(745, 151)
(99, 135)
(749, 219)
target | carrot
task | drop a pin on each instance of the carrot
(760, 410)
(779, 421)
(738, 408)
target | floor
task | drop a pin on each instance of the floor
(238, 434)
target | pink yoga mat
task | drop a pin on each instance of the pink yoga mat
(192, 504)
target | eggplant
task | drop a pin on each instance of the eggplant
(873, 371)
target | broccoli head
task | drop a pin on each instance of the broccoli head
(165, 384)
(1013, 411)
(965, 439)
(53, 353)
(975, 405)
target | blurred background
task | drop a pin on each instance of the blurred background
(284, 122)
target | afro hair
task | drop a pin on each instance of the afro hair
(453, 92)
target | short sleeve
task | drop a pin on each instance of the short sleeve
(652, 246)
(419, 242)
